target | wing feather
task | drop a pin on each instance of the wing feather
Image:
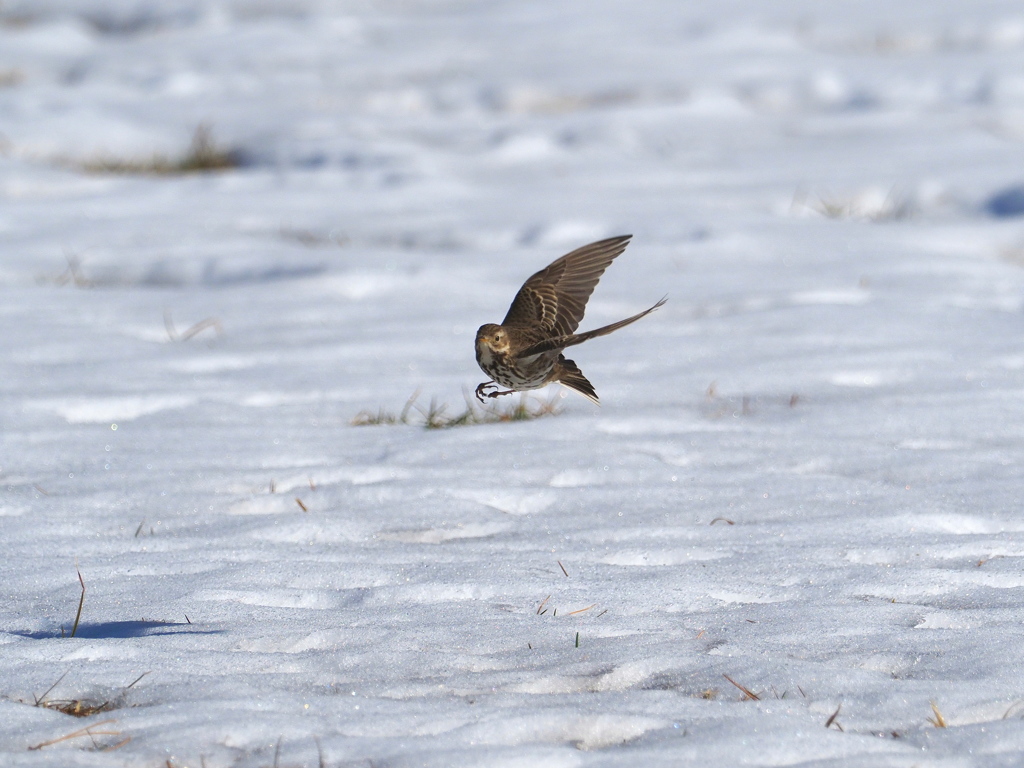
(568, 340)
(553, 300)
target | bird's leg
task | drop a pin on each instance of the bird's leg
(481, 391)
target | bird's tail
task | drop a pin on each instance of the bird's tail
(561, 342)
(569, 375)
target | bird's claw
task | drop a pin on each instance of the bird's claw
(481, 391)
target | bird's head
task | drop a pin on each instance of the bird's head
(492, 338)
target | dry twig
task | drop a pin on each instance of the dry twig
(87, 731)
(747, 693)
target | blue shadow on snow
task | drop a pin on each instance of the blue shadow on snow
(1007, 203)
(110, 630)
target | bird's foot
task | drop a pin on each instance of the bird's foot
(482, 391)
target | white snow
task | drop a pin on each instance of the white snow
(806, 474)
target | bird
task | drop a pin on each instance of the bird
(525, 351)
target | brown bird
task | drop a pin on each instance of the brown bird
(525, 351)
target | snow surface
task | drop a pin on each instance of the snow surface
(806, 473)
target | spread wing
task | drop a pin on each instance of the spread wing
(554, 300)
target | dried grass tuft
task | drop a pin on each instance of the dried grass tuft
(83, 707)
(437, 416)
(203, 155)
(938, 720)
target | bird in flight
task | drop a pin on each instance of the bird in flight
(525, 351)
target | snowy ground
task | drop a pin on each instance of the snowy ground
(806, 473)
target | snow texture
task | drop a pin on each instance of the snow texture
(804, 482)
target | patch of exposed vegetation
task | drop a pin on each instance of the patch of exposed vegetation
(203, 155)
(84, 707)
(873, 204)
(437, 416)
